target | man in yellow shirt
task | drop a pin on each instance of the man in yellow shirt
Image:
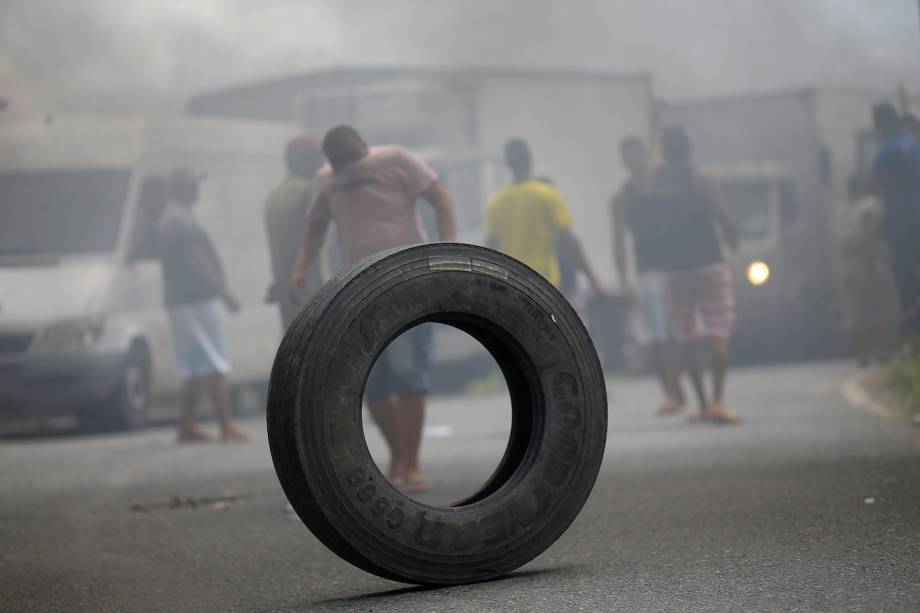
(527, 219)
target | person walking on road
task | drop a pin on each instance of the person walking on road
(897, 174)
(371, 194)
(869, 302)
(194, 288)
(637, 213)
(285, 215)
(700, 292)
(529, 219)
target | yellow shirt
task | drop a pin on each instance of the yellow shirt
(524, 221)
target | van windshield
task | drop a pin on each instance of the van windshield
(749, 206)
(61, 212)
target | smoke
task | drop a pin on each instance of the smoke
(135, 55)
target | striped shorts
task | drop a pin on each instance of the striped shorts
(702, 303)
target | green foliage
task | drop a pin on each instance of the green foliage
(905, 378)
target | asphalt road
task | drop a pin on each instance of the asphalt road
(811, 504)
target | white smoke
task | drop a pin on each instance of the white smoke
(137, 55)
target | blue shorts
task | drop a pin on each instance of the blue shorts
(404, 367)
(199, 342)
(652, 300)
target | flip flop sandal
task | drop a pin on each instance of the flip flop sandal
(416, 486)
(669, 409)
(234, 437)
(197, 437)
(724, 417)
(697, 417)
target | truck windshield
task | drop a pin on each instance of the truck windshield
(61, 212)
(749, 206)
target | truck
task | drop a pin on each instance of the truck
(784, 160)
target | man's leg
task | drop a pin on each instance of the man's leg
(692, 365)
(410, 372)
(673, 395)
(188, 430)
(905, 279)
(409, 417)
(719, 371)
(718, 312)
(384, 414)
(220, 396)
(654, 310)
(856, 326)
(683, 296)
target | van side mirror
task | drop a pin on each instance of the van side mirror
(788, 203)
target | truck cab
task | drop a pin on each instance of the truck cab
(778, 291)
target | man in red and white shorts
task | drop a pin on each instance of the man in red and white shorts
(702, 303)
(699, 282)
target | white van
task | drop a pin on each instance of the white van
(82, 326)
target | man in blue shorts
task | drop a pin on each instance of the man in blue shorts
(371, 194)
(636, 212)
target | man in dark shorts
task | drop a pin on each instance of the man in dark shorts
(285, 215)
(636, 212)
(702, 302)
(897, 174)
(370, 193)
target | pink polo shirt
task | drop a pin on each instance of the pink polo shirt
(372, 201)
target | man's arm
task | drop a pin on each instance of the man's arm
(569, 241)
(620, 255)
(204, 269)
(723, 219)
(443, 204)
(314, 236)
(273, 231)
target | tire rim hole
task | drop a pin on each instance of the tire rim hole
(468, 415)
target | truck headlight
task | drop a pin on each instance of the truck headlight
(70, 335)
(758, 273)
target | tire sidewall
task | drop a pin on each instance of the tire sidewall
(378, 527)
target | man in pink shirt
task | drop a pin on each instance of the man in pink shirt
(370, 193)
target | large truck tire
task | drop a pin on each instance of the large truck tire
(558, 399)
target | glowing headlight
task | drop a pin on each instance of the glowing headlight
(758, 273)
(70, 335)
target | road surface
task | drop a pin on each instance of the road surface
(811, 504)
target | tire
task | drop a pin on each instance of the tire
(559, 414)
(127, 407)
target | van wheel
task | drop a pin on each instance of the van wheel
(127, 408)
